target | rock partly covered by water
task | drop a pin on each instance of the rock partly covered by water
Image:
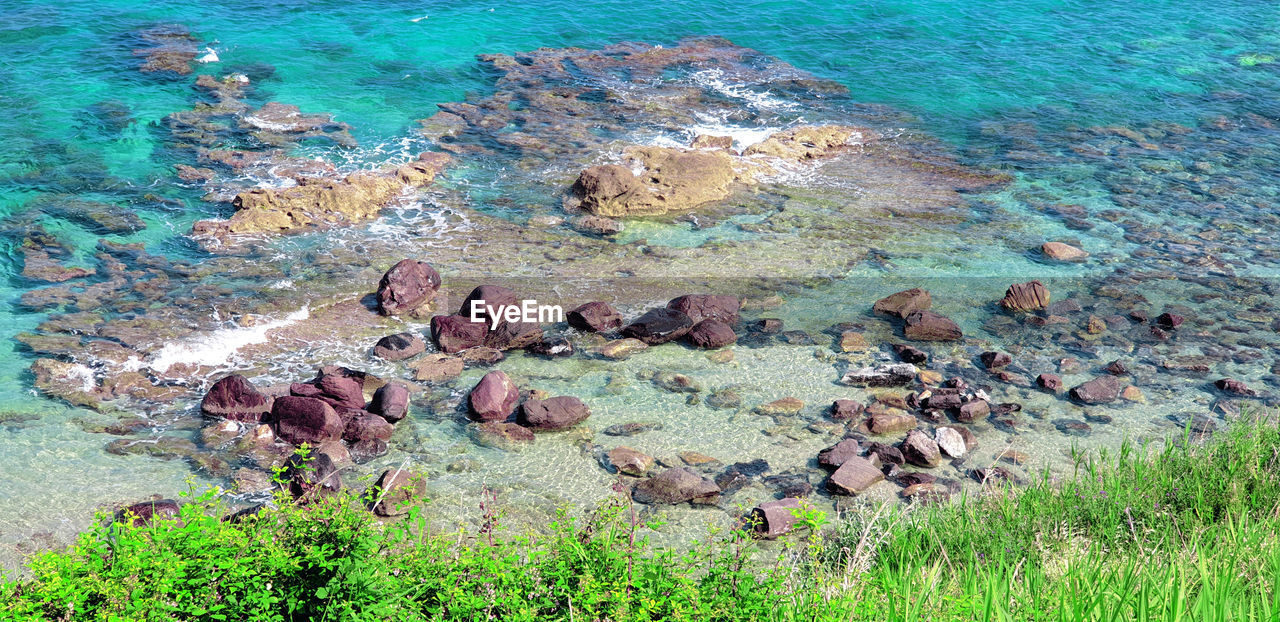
(407, 286)
(594, 317)
(556, 413)
(658, 326)
(930, 326)
(855, 475)
(894, 374)
(711, 334)
(494, 397)
(235, 398)
(673, 486)
(301, 420)
(701, 307)
(399, 347)
(773, 519)
(670, 180)
(904, 303)
(1062, 252)
(1029, 296)
(396, 492)
(1100, 390)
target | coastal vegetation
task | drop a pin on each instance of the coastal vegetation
(1181, 531)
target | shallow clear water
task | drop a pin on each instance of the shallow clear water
(1016, 87)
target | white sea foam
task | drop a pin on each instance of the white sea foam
(714, 79)
(217, 348)
(210, 56)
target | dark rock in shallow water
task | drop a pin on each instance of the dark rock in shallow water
(493, 398)
(145, 513)
(235, 398)
(895, 374)
(790, 484)
(1029, 296)
(904, 303)
(1234, 387)
(836, 455)
(364, 426)
(659, 326)
(397, 490)
(774, 519)
(341, 391)
(407, 286)
(845, 410)
(920, 450)
(399, 347)
(301, 420)
(455, 333)
(594, 317)
(1071, 427)
(995, 360)
(888, 454)
(929, 326)
(629, 461)
(673, 486)
(711, 334)
(484, 302)
(1169, 321)
(768, 325)
(556, 413)
(312, 476)
(701, 307)
(855, 475)
(551, 348)
(1100, 390)
(909, 354)
(367, 450)
(1116, 368)
(975, 410)
(501, 435)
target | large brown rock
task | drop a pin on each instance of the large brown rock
(671, 179)
(659, 326)
(407, 286)
(711, 334)
(396, 492)
(365, 426)
(1100, 390)
(312, 476)
(1029, 296)
(501, 435)
(493, 398)
(399, 347)
(904, 303)
(437, 368)
(629, 460)
(836, 455)
(920, 450)
(854, 476)
(556, 413)
(807, 142)
(707, 306)
(773, 519)
(1062, 252)
(594, 317)
(301, 420)
(341, 391)
(455, 333)
(235, 398)
(479, 303)
(675, 486)
(147, 512)
(391, 401)
(929, 326)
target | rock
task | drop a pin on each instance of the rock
(1234, 387)
(1116, 368)
(710, 334)
(594, 317)
(219, 433)
(975, 410)
(629, 461)
(790, 484)
(341, 391)
(774, 519)
(845, 410)
(929, 326)
(887, 454)
(396, 491)
(235, 398)
(500, 435)
(436, 368)
(673, 486)
(695, 459)
(950, 442)
(855, 475)
(632, 428)
(920, 450)
(1029, 296)
(399, 347)
(620, 349)
(787, 406)
(768, 325)
(724, 399)
(658, 326)
(807, 142)
(455, 333)
(1132, 394)
(853, 341)
(367, 450)
(493, 398)
(407, 286)
(890, 423)
(1169, 321)
(313, 476)
(301, 420)
(146, 513)
(895, 374)
(1013, 456)
(1062, 252)
(481, 356)
(671, 179)
(556, 413)
(676, 383)
(995, 360)
(551, 348)
(598, 225)
(1049, 382)
(836, 455)
(701, 307)
(364, 426)
(483, 303)
(903, 304)
(966, 435)
(1100, 390)
(706, 141)
(909, 354)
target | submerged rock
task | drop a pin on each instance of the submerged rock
(1062, 252)
(929, 326)
(500, 435)
(673, 486)
(1029, 296)
(396, 491)
(671, 179)
(629, 461)
(1100, 390)
(895, 374)
(659, 326)
(903, 304)
(556, 413)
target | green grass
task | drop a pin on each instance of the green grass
(1186, 533)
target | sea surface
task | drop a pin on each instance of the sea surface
(1144, 133)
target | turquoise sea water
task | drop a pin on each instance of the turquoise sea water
(991, 79)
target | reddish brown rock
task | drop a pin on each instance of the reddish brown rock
(493, 398)
(975, 410)
(995, 360)
(341, 391)
(1062, 252)
(711, 334)
(594, 317)
(365, 426)
(235, 398)
(301, 420)
(855, 475)
(659, 326)
(904, 303)
(701, 307)
(774, 519)
(556, 413)
(675, 486)
(147, 512)
(396, 492)
(507, 436)
(929, 326)
(1234, 387)
(407, 286)
(836, 455)
(455, 333)
(437, 368)
(483, 303)
(629, 461)
(399, 347)
(920, 450)
(1049, 382)
(845, 410)
(391, 402)
(1029, 296)
(1100, 390)
(1169, 321)
(889, 423)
